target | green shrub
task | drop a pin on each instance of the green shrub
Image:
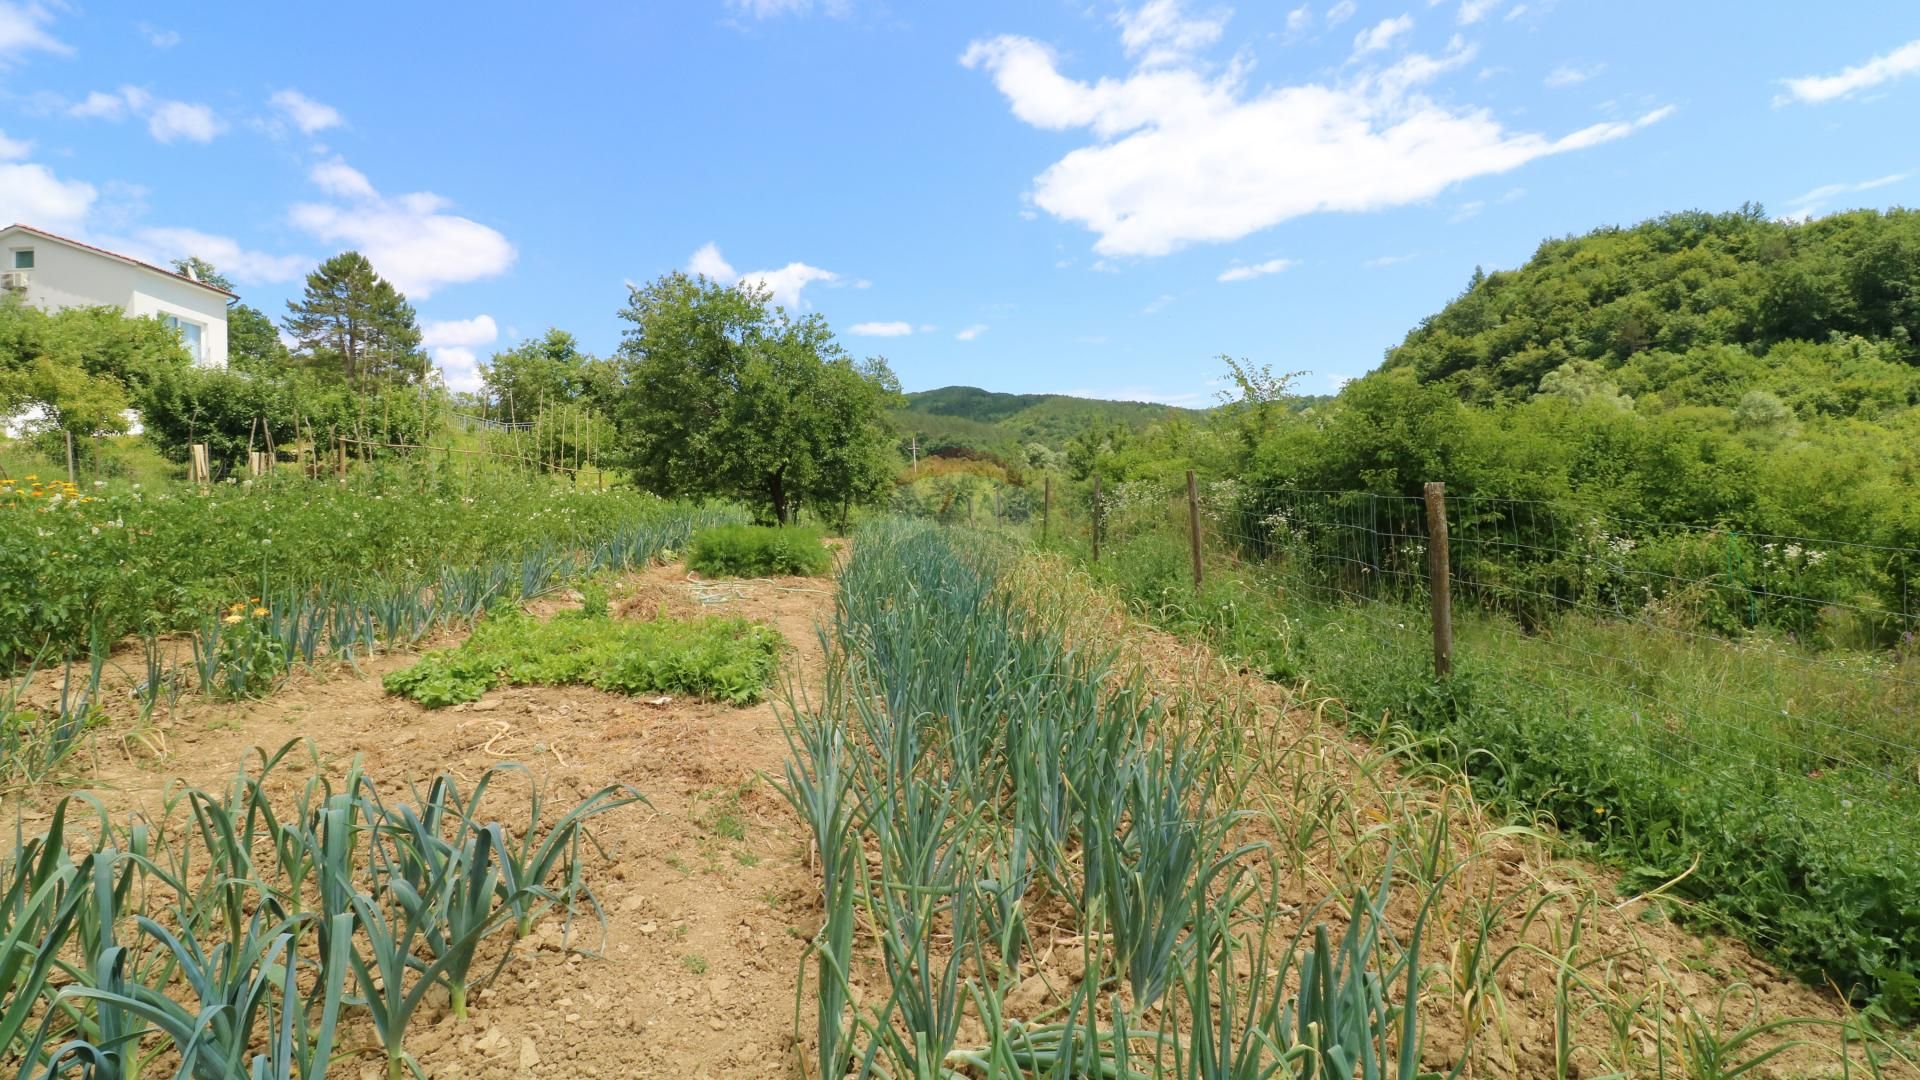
(729, 660)
(758, 551)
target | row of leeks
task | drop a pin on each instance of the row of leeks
(240, 935)
(966, 768)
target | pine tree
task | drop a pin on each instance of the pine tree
(354, 322)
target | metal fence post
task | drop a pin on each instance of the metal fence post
(1046, 506)
(1439, 579)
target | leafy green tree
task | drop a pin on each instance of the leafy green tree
(1583, 382)
(200, 269)
(545, 371)
(82, 367)
(353, 322)
(720, 393)
(253, 342)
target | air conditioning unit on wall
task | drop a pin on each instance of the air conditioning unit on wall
(14, 280)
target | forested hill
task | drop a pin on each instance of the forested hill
(1693, 309)
(970, 415)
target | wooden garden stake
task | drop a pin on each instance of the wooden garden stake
(1439, 579)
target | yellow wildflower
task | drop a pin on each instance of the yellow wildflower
(259, 611)
(231, 619)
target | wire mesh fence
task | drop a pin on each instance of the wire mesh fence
(1730, 717)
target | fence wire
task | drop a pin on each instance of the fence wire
(1789, 657)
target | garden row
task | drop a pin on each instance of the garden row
(241, 934)
(978, 789)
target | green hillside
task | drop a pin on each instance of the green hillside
(987, 420)
(1694, 309)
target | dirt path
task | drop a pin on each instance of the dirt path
(705, 891)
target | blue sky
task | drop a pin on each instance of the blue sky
(1080, 197)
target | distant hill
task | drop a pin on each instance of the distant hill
(985, 419)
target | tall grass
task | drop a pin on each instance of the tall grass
(969, 770)
(1765, 793)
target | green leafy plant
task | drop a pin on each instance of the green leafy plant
(729, 660)
(758, 551)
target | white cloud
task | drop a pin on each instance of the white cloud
(881, 329)
(1472, 11)
(1817, 89)
(336, 177)
(708, 262)
(23, 29)
(459, 367)
(1571, 75)
(1248, 273)
(166, 120)
(1388, 260)
(1341, 12)
(13, 148)
(33, 195)
(479, 330)
(1158, 304)
(785, 284)
(1466, 211)
(1180, 157)
(100, 105)
(172, 120)
(308, 115)
(1382, 34)
(767, 9)
(1818, 199)
(452, 343)
(160, 245)
(158, 37)
(971, 332)
(1299, 18)
(1161, 31)
(410, 239)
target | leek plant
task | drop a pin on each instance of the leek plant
(968, 764)
(239, 931)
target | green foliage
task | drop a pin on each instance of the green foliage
(730, 660)
(542, 372)
(354, 325)
(83, 366)
(1764, 790)
(132, 559)
(725, 395)
(758, 551)
(1043, 418)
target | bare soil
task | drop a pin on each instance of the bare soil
(705, 890)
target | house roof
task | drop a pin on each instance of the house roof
(70, 242)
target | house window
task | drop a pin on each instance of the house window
(23, 258)
(189, 334)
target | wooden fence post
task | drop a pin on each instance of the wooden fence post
(72, 476)
(340, 456)
(1096, 517)
(1193, 526)
(202, 468)
(1439, 579)
(1046, 506)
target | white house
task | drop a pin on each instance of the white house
(52, 272)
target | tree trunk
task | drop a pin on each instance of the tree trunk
(777, 489)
